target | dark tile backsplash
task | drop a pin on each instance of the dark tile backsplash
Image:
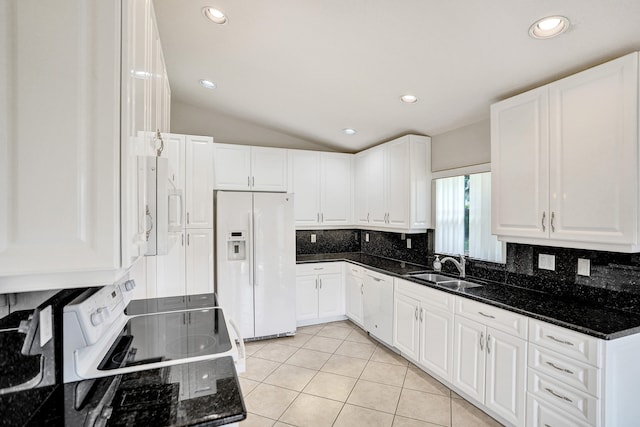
(614, 280)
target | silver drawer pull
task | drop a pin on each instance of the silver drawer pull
(559, 396)
(319, 268)
(547, 425)
(551, 337)
(376, 279)
(559, 368)
(486, 315)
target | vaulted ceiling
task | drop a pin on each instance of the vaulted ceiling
(311, 68)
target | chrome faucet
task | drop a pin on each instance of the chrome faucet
(460, 265)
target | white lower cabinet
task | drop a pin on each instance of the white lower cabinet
(423, 326)
(490, 365)
(378, 306)
(320, 295)
(354, 283)
(199, 261)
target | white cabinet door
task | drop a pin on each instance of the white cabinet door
(306, 297)
(436, 341)
(268, 169)
(505, 376)
(397, 183)
(519, 165)
(469, 357)
(335, 189)
(174, 150)
(59, 191)
(170, 270)
(331, 295)
(361, 188)
(378, 306)
(406, 325)
(354, 285)
(199, 261)
(199, 182)
(593, 156)
(232, 167)
(306, 186)
(376, 188)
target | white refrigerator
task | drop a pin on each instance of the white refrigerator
(256, 261)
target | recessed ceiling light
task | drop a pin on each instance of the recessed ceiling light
(349, 131)
(207, 84)
(409, 99)
(214, 15)
(548, 27)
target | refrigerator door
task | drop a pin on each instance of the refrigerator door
(235, 273)
(274, 264)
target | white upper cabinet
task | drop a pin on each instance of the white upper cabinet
(199, 182)
(321, 183)
(564, 161)
(72, 187)
(246, 168)
(393, 184)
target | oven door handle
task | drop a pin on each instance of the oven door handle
(241, 363)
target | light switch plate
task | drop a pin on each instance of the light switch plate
(313, 238)
(408, 243)
(547, 262)
(584, 267)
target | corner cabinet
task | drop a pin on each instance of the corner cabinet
(72, 175)
(564, 161)
(393, 185)
(246, 168)
(321, 183)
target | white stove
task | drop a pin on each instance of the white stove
(101, 340)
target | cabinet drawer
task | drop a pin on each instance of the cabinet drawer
(580, 375)
(497, 318)
(354, 270)
(318, 268)
(543, 414)
(429, 297)
(563, 397)
(578, 346)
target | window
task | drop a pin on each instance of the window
(463, 218)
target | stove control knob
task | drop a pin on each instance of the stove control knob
(129, 285)
(96, 318)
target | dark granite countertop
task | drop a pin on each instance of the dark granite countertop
(592, 320)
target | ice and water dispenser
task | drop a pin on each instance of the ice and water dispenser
(236, 245)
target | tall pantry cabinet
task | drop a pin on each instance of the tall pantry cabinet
(188, 268)
(85, 98)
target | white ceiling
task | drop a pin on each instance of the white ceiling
(310, 68)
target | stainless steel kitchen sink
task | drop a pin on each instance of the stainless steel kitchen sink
(431, 277)
(459, 285)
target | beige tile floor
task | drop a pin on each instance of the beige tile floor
(335, 375)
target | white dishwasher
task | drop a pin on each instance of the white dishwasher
(378, 306)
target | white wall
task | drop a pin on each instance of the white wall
(192, 120)
(465, 146)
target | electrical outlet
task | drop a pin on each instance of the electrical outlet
(366, 237)
(547, 262)
(408, 243)
(313, 238)
(402, 236)
(584, 267)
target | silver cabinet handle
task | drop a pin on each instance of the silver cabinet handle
(248, 181)
(486, 315)
(320, 283)
(481, 341)
(362, 289)
(376, 279)
(551, 337)
(421, 313)
(559, 396)
(367, 216)
(553, 215)
(488, 343)
(416, 313)
(187, 217)
(553, 365)
(182, 239)
(253, 181)
(318, 268)
(544, 214)
(188, 239)
(321, 216)
(318, 217)
(316, 283)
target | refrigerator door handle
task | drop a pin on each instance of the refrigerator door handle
(252, 255)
